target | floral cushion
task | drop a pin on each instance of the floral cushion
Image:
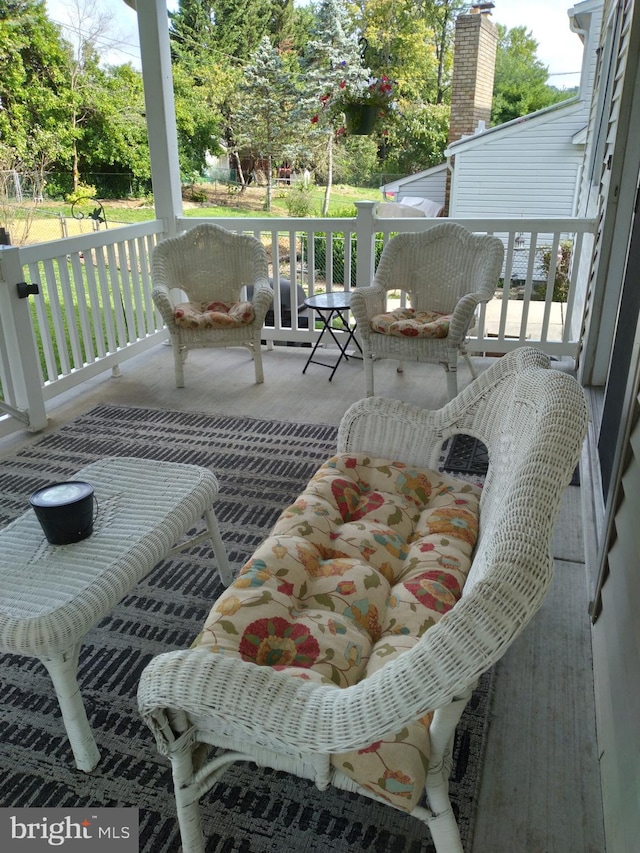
(213, 315)
(369, 557)
(409, 323)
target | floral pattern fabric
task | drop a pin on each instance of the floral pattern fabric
(409, 323)
(213, 315)
(369, 557)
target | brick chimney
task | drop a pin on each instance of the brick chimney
(474, 62)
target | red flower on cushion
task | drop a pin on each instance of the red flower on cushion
(373, 747)
(276, 642)
(351, 502)
(435, 590)
(218, 306)
(286, 588)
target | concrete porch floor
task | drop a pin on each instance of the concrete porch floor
(540, 790)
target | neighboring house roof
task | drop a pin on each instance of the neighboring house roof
(401, 184)
(521, 124)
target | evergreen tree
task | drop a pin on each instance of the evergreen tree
(332, 63)
(266, 117)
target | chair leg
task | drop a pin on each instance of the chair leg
(442, 822)
(187, 800)
(368, 374)
(257, 358)
(452, 381)
(178, 362)
(400, 367)
(470, 365)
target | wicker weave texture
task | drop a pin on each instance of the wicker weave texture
(533, 422)
(52, 594)
(209, 263)
(446, 269)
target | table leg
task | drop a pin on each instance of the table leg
(224, 569)
(325, 325)
(63, 669)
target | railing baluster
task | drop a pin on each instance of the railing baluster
(83, 311)
(550, 286)
(97, 312)
(36, 274)
(576, 256)
(56, 318)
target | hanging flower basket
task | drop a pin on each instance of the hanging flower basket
(360, 118)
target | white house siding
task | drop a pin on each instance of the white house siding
(611, 195)
(428, 184)
(528, 167)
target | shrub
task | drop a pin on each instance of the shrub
(338, 255)
(563, 270)
(299, 199)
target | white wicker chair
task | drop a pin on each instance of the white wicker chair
(209, 263)
(533, 421)
(447, 270)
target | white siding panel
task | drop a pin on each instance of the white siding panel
(431, 186)
(531, 169)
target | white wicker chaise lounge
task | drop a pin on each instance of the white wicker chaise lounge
(316, 708)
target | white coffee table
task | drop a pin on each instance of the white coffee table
(52, 595)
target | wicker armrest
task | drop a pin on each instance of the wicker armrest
(366, 302)
(261, 299)
(297, 716)
(161, 296)
(461, 317)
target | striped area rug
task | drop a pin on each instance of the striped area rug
(261, 466)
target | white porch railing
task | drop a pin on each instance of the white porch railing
(94, 308)
(92, 311)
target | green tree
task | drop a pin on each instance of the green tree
(115, 137)
(266, 118)
(228, 28)
(440, 19)
(520, 85)
(34, 86)
(398, 45)
(418, 139)
(332, 60)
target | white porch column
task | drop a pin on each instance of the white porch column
(153, 28)
(365, 229)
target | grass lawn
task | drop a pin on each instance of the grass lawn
(221, 202)
(52, 220)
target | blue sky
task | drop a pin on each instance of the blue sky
(558, 48)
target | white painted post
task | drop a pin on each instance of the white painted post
(20, 347)
(153, 27)
(365, 236)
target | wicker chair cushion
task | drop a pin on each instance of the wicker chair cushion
(409, 323)
(213, 315)
(370, 556)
